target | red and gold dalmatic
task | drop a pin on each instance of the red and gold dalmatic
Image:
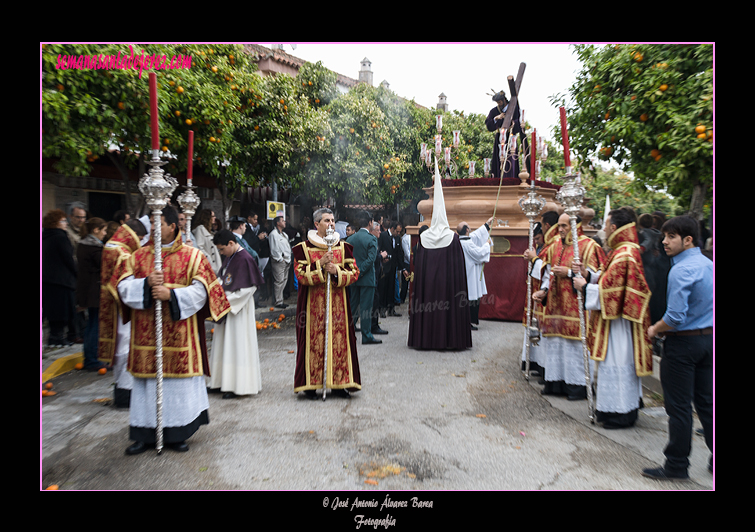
(624, 293)
(549, 239)
(184, 346)
(343, 365)
(561, 313)
(115, 266)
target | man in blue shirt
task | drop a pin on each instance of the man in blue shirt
(687, 360)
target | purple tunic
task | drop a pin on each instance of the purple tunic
(239, 271)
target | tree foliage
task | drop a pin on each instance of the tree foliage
(648, 108)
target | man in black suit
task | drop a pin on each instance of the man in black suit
(387, 281)
(256, 237)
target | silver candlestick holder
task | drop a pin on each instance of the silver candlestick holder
(532, 205)
(571, 195)
(189, 202)
(156, 186)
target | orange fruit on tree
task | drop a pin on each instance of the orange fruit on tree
(188, 121)
(700, 129)
(655, 152)
(180, 90)
(644, 117)
(178, 113)
(702, 136)
(121, 105)
(663, 87)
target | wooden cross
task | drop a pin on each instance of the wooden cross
(513, 101)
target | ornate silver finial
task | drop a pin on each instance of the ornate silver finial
(330, 237)
(571, 194)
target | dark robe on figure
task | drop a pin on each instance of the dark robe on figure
(512, 169)
(439, 307)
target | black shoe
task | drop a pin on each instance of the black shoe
(373, 341)
(474, 328)
(382, 313)
(660, 473)
(229, 395)
(357, 329)
(378, 330)
(311, 394)
(281, 305)
(138, 448)
(394, 313)
(180, 447)
(342, 392)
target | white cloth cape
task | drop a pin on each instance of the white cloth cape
(439, 234)
(476, 253)
(235, 360)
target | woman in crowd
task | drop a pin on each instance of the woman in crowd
(203, 238)
(58, 278)
(89, 256)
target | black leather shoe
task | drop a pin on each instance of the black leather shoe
(474, 328)
(378, 330)
(180, 447)
(394, 313)
(229, 395)
(661, 474)
(138, 448)
(342, 393)
(357, 329)
(373, 341)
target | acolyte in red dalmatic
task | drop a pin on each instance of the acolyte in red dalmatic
(343, 364)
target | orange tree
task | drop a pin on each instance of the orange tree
(360, 162)
(648, 108)
(90, 111)
(284, 126)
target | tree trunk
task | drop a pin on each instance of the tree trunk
(699, 191)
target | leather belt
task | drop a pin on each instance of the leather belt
(695, 332)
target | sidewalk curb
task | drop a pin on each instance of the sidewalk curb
(62, 365)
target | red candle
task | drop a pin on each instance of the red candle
(565, 138)
(533, 155)
(191, 157)
(153, 111)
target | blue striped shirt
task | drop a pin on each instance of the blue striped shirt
(689, 300)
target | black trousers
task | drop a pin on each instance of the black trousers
(687, 379)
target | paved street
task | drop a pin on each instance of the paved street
(424, 421)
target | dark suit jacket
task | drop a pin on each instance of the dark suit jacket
(365, 250)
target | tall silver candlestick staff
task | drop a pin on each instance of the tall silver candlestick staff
(188, 200)
(157, 187)
(570, 196)
(330, 240)
(532, 204)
